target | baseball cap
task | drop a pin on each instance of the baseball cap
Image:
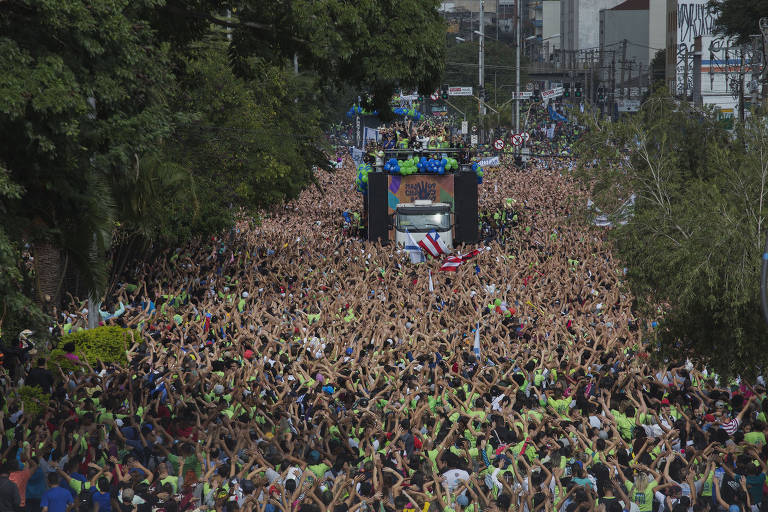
(709, 418)
(665, 401)
(720, 404)
(248, 354)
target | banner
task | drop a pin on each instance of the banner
(406, 189)
(489, 162)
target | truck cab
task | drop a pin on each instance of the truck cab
(419, 218)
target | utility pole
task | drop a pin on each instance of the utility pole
(741, 85)
(623, 63)
(481, 61)
(764, 31)
(517, 68)
(757, 61)
(685, 75)
(697, 71)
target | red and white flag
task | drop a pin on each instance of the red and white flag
(451, 263)
(432, 244)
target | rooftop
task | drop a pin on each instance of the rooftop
(632, 5)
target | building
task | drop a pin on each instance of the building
(580, 25)
(550, 32)
(718, 73)
(630, 35)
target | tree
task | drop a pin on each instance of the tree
(738, 18)
(693, 242)
(17, 311)
(82, 96)
(373, 46)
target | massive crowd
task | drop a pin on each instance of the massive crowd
(288, 366)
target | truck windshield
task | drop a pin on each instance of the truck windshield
(423, 221)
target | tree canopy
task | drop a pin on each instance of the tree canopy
(738, 18)
(693, 241)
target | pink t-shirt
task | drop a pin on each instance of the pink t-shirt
(71, 357)
(20, 478)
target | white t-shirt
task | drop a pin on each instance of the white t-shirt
(453, 477)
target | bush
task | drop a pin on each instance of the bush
(102, 343)
(34, 400)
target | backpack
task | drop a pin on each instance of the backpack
(85, 501)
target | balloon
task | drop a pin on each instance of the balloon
(444, 162)
(479, 180)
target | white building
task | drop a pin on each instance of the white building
(580, 23)
(686, 20)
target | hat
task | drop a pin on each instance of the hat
(218, 389)
(462, 500)
(720, 404)
(349, 351)
(709, 418)
(319, 378)
(128, 493)
(248, 354)
(665, 401)
(245, 295)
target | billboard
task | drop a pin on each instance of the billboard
(406, 189)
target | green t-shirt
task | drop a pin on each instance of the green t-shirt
(173, 480)
(190, 464)
(643, 500)
(754, 437)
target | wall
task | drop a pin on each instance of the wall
(657, 33)
(629, 25)
(692, 18)
(551, 13)
(580, 22)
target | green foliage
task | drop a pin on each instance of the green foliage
(695, 240)
(371, 45)
(17, 311)
(461, 70)
(35, 402)
(81, 94)
(106, 344)
(738, 18)
(57, 360)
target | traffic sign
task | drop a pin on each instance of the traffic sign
(529, 86)
(525, 136)
(434, 96)
(517, 139)
(464, 127)
(498, 144)
(459, 91)
(474, 129)
(524, 95)
(473, 140)
(552, 93)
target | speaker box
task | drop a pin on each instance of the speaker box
(377, 201)
(465, 208)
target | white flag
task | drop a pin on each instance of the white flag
(431, 286)
(477, 341)
(414, 250)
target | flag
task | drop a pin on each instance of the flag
(431, 285)
(413, 250)
(451, 263)
(476, 346)
(433, 245)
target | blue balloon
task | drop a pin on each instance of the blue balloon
(444, 162)
(479, 180)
